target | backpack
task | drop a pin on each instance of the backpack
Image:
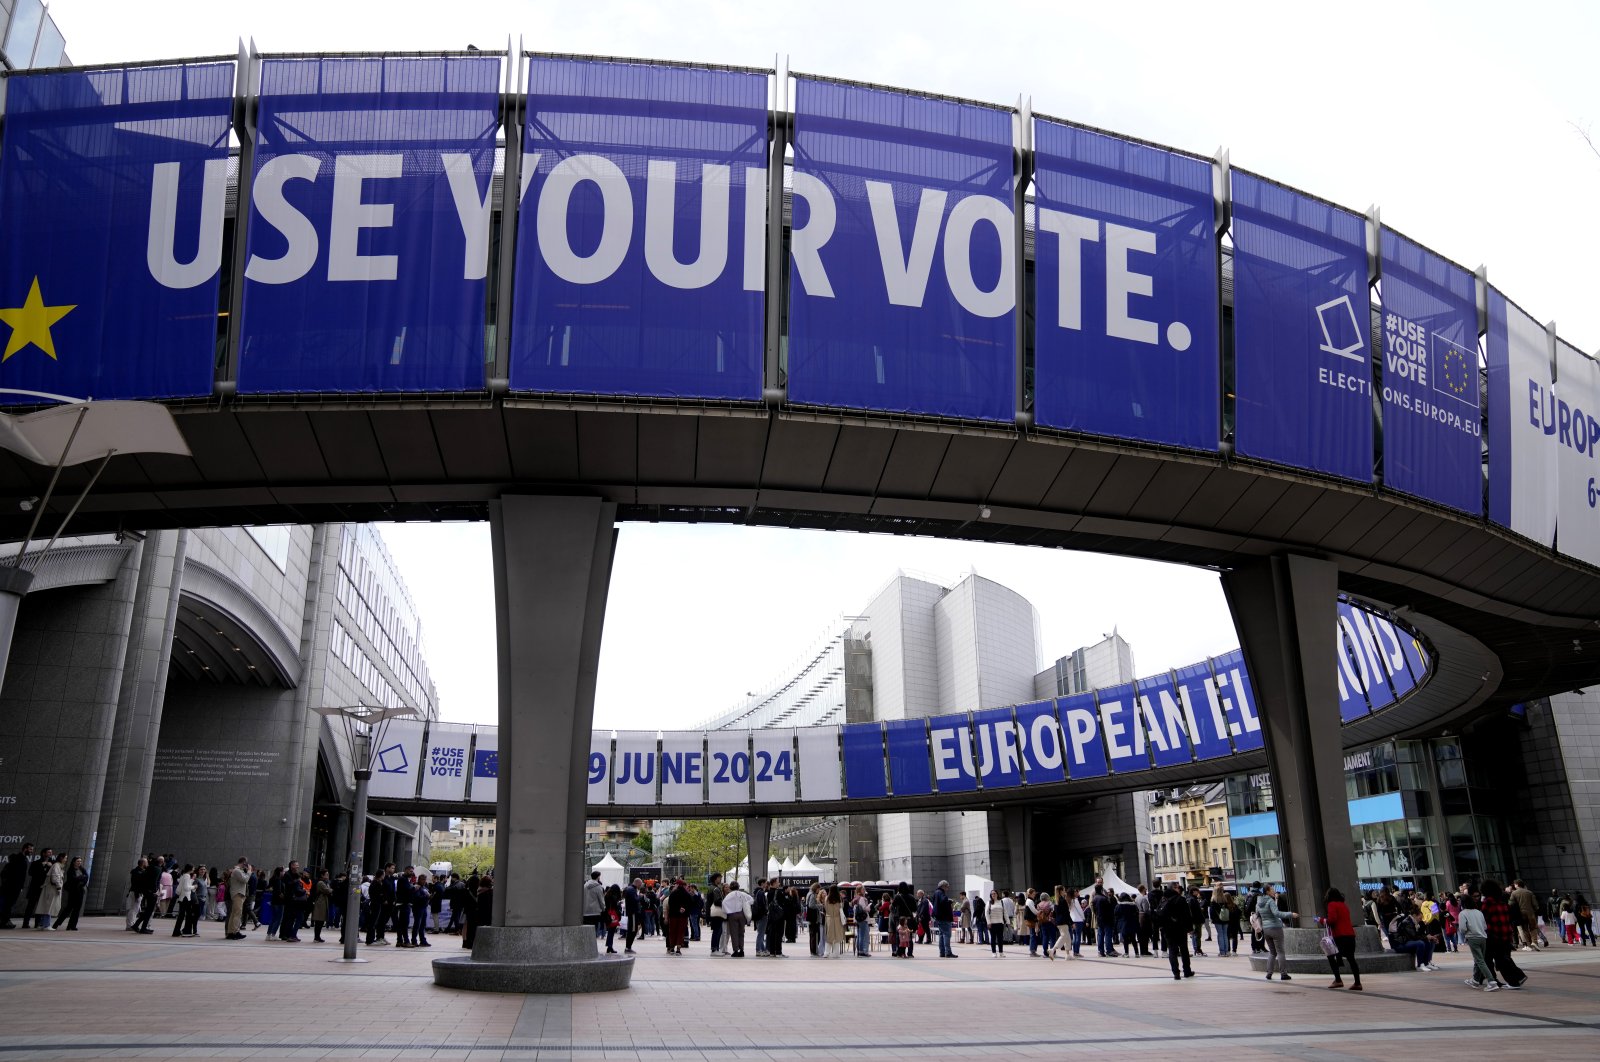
(1223, 914)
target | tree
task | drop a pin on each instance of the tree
(464, 859)
(645, 842)
(709, 846)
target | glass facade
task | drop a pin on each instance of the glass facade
(1418, 819)
(29, 37)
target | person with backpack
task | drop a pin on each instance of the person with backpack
(1197, 910)
(861, 914)
(1176, 921)
(1225, 916)
(1406, 937)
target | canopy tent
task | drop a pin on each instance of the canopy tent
(786, 867)
(1116, 884)
(611, 871)
(806, 866)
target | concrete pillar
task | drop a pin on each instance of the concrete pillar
(339, 850)
(1018, 823)
(1284, 610)
(552, 572)
(14, 583)
(758, 840)
(385, 846)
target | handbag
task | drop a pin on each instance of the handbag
(716, 910)
(1330, 947)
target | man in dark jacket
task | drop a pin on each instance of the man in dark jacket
(38, 870)
(145, 882)
(1105, 921)
(633, 908)
(1176, 920)
(1197, 917)
(13, 876)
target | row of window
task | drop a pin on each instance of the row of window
(1190, 820)
(1190, 853)
(377, 600)
(349, 651)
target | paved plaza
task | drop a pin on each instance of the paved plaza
(103, 993)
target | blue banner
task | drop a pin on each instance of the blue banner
(113, 187)
(641, 236)
(1209, 728)
(1040, 735)
(1432, 445)
(863, 760)
(1122, 730)
(1080, 736)
(369, 226)
(1238, 701)
(1523, 419)
(1302, 335)
(1166, 722)
(908, 757)
(1126, 339)
(950, 739)
(999, 758)
(902, 276)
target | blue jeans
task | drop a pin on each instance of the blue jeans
(1420, 950)
(761, 936)
(1196, 935)
(1222, 938)
(943, 929)
(863, 938)
(1076, 929)
(1051, 935)
(983, 931)
(1106, 940)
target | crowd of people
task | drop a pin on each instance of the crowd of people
(284, 902)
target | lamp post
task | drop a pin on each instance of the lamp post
(364, 725)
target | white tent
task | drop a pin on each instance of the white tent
(611, 871)
(772, 866)
(786, 867)
(806, 866)
(979, 886)
(1116, 884)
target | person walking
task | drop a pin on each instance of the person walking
(1475, 931)
(1501, 937)
(146, 879)
(36, 875)
(1343, 932)
(1175, 920)
(1272, 931)
(1527, 908)
(13, 880)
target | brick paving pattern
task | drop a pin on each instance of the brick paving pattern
(104, 993)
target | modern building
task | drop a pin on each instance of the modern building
(162, 695)
(29, 37)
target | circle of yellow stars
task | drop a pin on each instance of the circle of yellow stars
(30, 323)
(1455, 375)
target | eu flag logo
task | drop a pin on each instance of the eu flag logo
(1454, 371)
(486, 763)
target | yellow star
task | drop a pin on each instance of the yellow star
(30, 323)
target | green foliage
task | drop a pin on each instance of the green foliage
(463, 860)
(709, 846)
(645, 842)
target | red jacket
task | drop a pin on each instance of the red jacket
(1339, 919)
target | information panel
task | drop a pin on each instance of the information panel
(999, 755)
(902, 276)
(445, 768)
(1080, 727)
(1302, 337)
(485, 766)
(1126, 337)
(950, 741)
(683, 775)
(728, 766)
(818, 749)
(1522, 423)
(1577, 423)
(397, 761)
(1165, 721)
(599, 767)
(113, 187)
(773, 760)
(1432, 437)
(641, 235)
(864, 760)
(368, 235)
(634, 770)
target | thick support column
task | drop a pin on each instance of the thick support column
(1284, 610)
(552, 570)
(1018, 823)
(14, 584)
(758, 841)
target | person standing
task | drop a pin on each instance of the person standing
(862, 913)
(777, 919)
(1343, 932)
(594, 903)
(632, 910)
(943, 915)
(1272, 931)
(678, 903)
(74, 888)
(483, 908)
(13, 881)
(321, 897)
(736, 905)
(1147, 919)
(1197, 910)
(1105, 917)
(421, 897)
(182, 893)
(239, 879)
(36, 875)
(1176, 921)
(50, 895)
(716, 914)
(997, 926)
(833, 923)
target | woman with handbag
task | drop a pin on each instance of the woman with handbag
(1341, 933)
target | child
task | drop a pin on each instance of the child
(1475, 930)
(906, 941)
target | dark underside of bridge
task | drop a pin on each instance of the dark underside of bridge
(1530, 619)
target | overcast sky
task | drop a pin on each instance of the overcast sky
(1460, 120)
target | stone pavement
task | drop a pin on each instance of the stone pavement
(105, 993)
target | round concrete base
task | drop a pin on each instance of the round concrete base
(1303, 950)
(553, 959)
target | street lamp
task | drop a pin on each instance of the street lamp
(364, 725)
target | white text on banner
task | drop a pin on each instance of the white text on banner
(444, 763)
(728, 766)
(683, 762)
(773, 764)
